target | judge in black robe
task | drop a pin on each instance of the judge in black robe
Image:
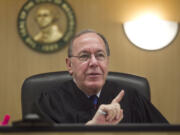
(87, 62)
(69, 104)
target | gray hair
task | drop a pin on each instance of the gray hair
(84, 32)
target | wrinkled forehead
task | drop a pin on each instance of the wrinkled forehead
(88, 41)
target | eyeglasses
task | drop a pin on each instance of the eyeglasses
(100, 56)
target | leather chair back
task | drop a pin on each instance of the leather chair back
(34, 85)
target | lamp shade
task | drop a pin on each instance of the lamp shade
(150, 33)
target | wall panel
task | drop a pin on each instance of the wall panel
(161, 68)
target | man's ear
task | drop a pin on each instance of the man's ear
(69, 65)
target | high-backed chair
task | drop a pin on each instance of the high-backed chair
(34, 85)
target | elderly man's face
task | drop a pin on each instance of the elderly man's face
(89, 74)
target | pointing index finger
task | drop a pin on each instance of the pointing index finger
(119, 97)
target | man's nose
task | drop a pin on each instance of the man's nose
(93, 61)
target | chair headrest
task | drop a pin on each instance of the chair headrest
(34, 85)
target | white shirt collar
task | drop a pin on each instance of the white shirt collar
(98, 94)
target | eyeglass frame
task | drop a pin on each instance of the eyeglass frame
(89, 56)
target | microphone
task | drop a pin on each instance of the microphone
(30, 120)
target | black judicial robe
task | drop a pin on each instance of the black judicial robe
(69, 104)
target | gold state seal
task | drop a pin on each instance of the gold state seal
(46, 25)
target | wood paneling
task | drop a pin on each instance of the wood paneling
(161, 68)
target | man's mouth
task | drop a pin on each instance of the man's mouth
(94, 74)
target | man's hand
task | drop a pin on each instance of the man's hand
(109, 114)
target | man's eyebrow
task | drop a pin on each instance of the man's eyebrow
(83, 52)
(98, 51)
(101, 51)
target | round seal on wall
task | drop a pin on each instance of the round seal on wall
(46, 25)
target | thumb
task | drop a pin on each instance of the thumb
(119, 97)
